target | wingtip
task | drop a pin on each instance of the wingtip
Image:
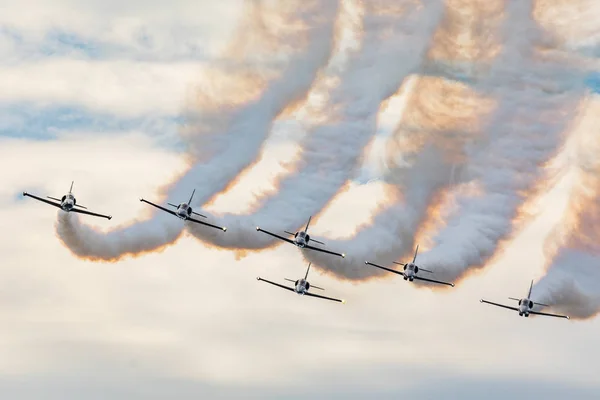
(481, 300)
(343, 301)
(567, 317)
(343, 255)
(24, 193)
(258, 278)
(141, 199)
(258, 228)
(366, 262)
(110, 217)
(452, 284)
(224, 229)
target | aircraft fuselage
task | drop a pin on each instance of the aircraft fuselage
(525, 306)
(301, 239)
(301, 286)
(410, 270)
(183, 211)
(68, 202)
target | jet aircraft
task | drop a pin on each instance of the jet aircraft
(301, 286)
(525, 306)
(410, 271)
(67, 203)
(302, 240)
(185, 212)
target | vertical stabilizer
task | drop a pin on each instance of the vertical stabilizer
(307, 224)
(307, 269)
(415, 257)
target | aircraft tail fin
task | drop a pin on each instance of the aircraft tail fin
(71, 188)
(307, 269)
(307, 224)
(530, 288)
(416, 251)
(191, 197)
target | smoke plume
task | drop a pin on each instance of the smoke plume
(573, 276)
(394, 34)
(224, 137)
(524, 132)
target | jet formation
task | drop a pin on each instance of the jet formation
(302, 240)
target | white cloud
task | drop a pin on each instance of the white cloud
(197, 315)
(158, 28)
(123, 88)
(128, 58)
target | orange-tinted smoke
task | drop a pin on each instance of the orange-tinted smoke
(74, 236)
(580, 227)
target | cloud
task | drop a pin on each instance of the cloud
(138, 29)
(47, 123)
(122, 88)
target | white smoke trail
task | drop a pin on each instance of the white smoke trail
(572, 281)
(230, 137)
(537, 99)
(440, 119)
(395, 36)
(391, 233)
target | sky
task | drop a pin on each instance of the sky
(99, 92)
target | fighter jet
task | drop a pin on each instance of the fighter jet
(525, 306)
(67, 203)
(410, 271)
(301, 286)
(301, 239)
(185, 212)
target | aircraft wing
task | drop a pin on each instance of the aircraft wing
(76, 210)
(277, 236)
(324, 251)
(159, 207)
(258, 278)
(207, 224)
(323, 297)
(499, 305)
(549, 315)
(434, 281)
(43, 200)
(387, 269)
